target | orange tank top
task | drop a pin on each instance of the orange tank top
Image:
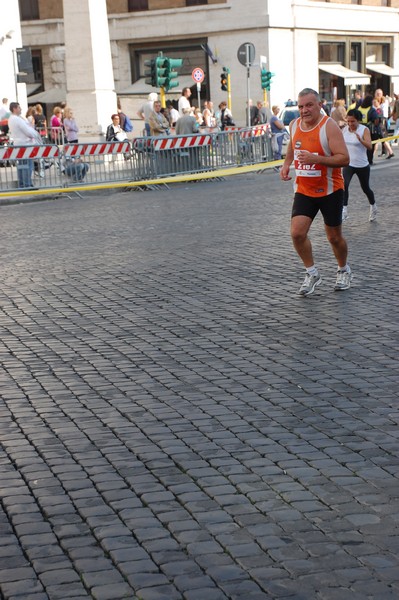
(314, 180)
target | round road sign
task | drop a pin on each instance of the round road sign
(246, 51)
(198, 75)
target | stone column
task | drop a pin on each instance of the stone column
(10, 40)
(88, 66)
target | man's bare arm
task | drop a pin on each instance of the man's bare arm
(289, 157)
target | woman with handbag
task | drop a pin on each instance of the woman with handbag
(115, 133)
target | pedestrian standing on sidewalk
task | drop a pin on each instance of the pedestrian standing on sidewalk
(145, 111)
(318, 150)
(57, 130)
(278, 132)
(22, 134)
(70, 126)
(159, 125)
(358, 140)
(395, 117)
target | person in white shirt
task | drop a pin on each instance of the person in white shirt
(173, 113)
(358, 140)
(146, 109)
(4, 112)
(184, 101)
(22, 134)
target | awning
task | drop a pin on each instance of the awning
(32, 87)
(50, 96)
(140, 88)
(382, 68)
(350, 77)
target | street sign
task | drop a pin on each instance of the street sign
(198, 75)
(246, 56)
(245, 52)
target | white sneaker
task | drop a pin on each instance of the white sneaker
(343, 281)
(344, 213)
(373, 212)
(309, 284)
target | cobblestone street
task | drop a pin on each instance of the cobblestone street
(176, 423)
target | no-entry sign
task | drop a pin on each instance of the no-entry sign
(198, 75)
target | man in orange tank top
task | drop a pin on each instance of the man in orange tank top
(318, 150)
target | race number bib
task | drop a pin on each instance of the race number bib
(306, 170)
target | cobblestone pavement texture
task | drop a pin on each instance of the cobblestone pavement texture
(176, 423)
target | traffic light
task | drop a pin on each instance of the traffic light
(266, 79)
(156, 76)
(150, 73)
(160, 70)
(171, 74)
(224, 79)
(161, 73)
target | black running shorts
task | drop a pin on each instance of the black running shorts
(330, 207)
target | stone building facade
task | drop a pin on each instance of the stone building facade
(334, 46)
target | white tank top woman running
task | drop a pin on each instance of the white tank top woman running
(357, 152)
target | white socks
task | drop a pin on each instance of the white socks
(345, 269)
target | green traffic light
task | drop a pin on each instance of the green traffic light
(174, 63)
(161, 73)
(265, 79)
(150, 73)
(171, 74)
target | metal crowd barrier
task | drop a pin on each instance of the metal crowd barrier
(160, 156)
(51, 166)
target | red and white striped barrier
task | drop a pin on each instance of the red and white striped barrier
(96, 149)
(25, 152)
(255, 131)
(192, 141)
(247, 132)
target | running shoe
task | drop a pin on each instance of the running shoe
(343, 282)
(373, 212)
(309, 284)
(344, 213)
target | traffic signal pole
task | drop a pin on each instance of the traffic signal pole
(225, 84)
(229, 90)
(248, 64)
(162, 97)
